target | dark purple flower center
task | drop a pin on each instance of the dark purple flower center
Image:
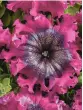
(45, 53)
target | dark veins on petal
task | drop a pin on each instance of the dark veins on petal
(45, 52)
(34, 107)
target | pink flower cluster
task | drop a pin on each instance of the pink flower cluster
(40, 81)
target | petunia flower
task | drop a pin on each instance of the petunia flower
(43, 55)
(47, 51)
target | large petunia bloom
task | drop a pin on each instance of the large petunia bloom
(45, 51)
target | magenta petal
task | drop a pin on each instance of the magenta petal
(55, 7)
(8, 102)
(5, 37)
(16, 66)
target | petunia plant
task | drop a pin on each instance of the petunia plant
(40, 55)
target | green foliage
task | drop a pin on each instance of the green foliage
(4, 69)
(80, 78)
(72, 10)
(14, 85)
(7, 81)
(69, 96)
(8, 17)
(80, 30)
(19, 14)
(5, 86)
(2, 10)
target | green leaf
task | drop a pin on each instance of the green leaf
(2, 90)
(72, 10)
(2, 10)
(6, 81)
(77, 6)
(5, 86)
(4, 68)
(6, 19)
(1, 70)
(19, 14)
(80, 30)
(80, 78)
(12, 29)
